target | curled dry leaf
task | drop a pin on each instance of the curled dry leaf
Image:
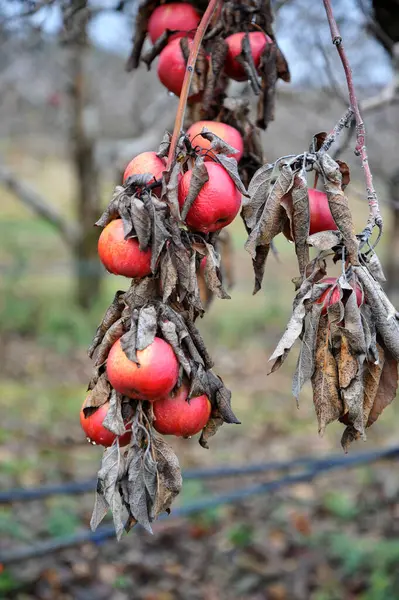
(112, 470)
(218, 145)
(325, 384)
(198, 179)
(98, 396)
(386, 323)
(113, 334)
(387, 388)
(268, 70)
(113, 419)
(112, 314)
(300, 219)
(306, 359)
(211, 428)
(338, 204)
(324, 240)
(169, 479)
(215, 72)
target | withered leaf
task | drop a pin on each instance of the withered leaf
(370, 333)
(144, 11)
(112, 210)
(293, 329)
(268, 70)
(338, 204)
(215, 72)
(168, 274)
(258, 192)
(169, 477)
(112, 314)
(199, 176)
(283, 71)
(350, 377)
(387, 388)
(212, 272)
(151, 482)
(306, 359)
(170, 334)
(375, 268)
(245, 59)
(344, 169)
(171, 191)
(218, 145)
(113, 419)
(230, 165)
(157, 48)
(141, 292)
(324, 240)
(199, 344)
(98, 396)
(326, 398)
(300, 219)
(270, 221)
(164, 146)
(137, 491)
(128, 340)
(386, 323)
(211, 428)
(113, 334)
(372, 378)
(159, 234)
(259, 264)
(146, 327)
(222, 398)
(141, 222)
(107, 495)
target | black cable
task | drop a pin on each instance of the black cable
(106, 532)
(82, 487)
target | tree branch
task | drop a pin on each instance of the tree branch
(35, 202)
(375, 217)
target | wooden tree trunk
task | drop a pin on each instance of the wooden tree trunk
(82, 139)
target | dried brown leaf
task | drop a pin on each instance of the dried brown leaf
(306, 359)
(300, 220)
(169, 479)
(326, 398)
(199, 177)
(98, 396)
(270, 222)
(112, 314)
(338, 204)
(113, 334)
(268, 70)
(387, 388)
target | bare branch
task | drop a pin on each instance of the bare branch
(35, 202)
(375, 217)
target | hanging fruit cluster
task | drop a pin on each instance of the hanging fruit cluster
(165, 229)
(348, 328)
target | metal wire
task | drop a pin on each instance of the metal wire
(311, 468)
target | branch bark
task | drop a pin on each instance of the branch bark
(37, 204)
(375, 217)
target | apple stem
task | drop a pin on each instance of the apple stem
(375, 217)
(181, 109)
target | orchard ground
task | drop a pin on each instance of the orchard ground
(324, 541)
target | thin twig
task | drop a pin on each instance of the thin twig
(375, 217)
(202, 27)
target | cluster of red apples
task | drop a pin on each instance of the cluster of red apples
(215, 207)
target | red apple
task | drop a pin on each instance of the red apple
(321, 218)
(97, 433)
(216, 205)
(155, 376)
(328, 298)
(179, 16)
(228, 134)
(172, 68)
(257, 42)
(120, 256)
(174, 415)
(146, 162)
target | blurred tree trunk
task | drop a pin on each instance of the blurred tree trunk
(82, 138)
(392, 262)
